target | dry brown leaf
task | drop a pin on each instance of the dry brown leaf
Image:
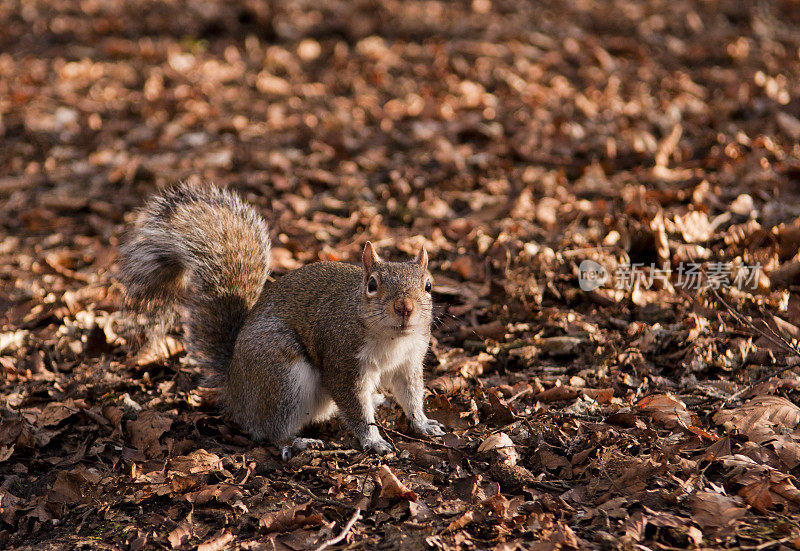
(391, 487)
(179, 484)
(716, 512)
(70, 487)
(56, 412)
(199, 461)
(558, 394)
(498, 504)
(695, 227)
(501, 443)
(223, 493)
(464, 520)
(146, 430)
(419, 512)
(563, 537)
(467, 268)
(788, 237)
(599, 395)
(720, 448)
(113, 414)
(448, 384)
(290, 518)
(9, 507)
(558, 346)
(667, 410)
(220, 540)
(447, 413)
(758, 495)
(501, 413)
(182, 533)
(759, 415)
(787, 446)
(495, 330)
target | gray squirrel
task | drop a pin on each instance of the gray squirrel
(321, 339)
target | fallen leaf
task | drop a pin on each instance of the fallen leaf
(695, 227)
(223, 493)
(558, 346)
(758, 495)
(146, 430)
(464, 520)
(558, 394)
(199, 461)
(667, 410)
(9, 507)
(448, 384)
(715, 512)
(56, 412)
(599, 395)
(392, 487)
(290, 518)
(182, 533)
(759, 413)
(220, 540)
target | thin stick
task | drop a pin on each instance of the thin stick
(775, 338)
(771, 335)
(344, 533)
(312, 495)
(388, 431)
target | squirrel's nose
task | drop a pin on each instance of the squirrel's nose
(404, 307)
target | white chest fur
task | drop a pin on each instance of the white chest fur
(384, 354)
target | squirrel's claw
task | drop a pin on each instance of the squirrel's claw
(429, 427)
(379, 446)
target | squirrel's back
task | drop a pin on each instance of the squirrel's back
(199, 248)
(319, 302)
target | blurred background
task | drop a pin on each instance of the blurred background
(382, 114)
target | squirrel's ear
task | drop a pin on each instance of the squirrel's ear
(422, 258)
(370, 257)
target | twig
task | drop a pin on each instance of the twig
(430, 442)
(550, 485)
(771, 335)
(314, 496)
(344, 532)
(772, 373)
(324, 453)
(386, 433)
(776, 339)
(519, 394)
(250, 468)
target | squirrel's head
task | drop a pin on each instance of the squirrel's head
(396, 296)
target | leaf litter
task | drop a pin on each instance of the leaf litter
(515, 140)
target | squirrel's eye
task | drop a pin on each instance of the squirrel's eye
(428, 286)
(372, 285)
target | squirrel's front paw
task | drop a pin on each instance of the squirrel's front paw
(429, 427)
(379, 446)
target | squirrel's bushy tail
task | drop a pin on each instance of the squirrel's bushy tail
(199, 248)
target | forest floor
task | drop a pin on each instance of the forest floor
(530, 146)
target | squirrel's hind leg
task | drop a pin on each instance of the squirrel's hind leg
(272, 390)
(298, 445)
